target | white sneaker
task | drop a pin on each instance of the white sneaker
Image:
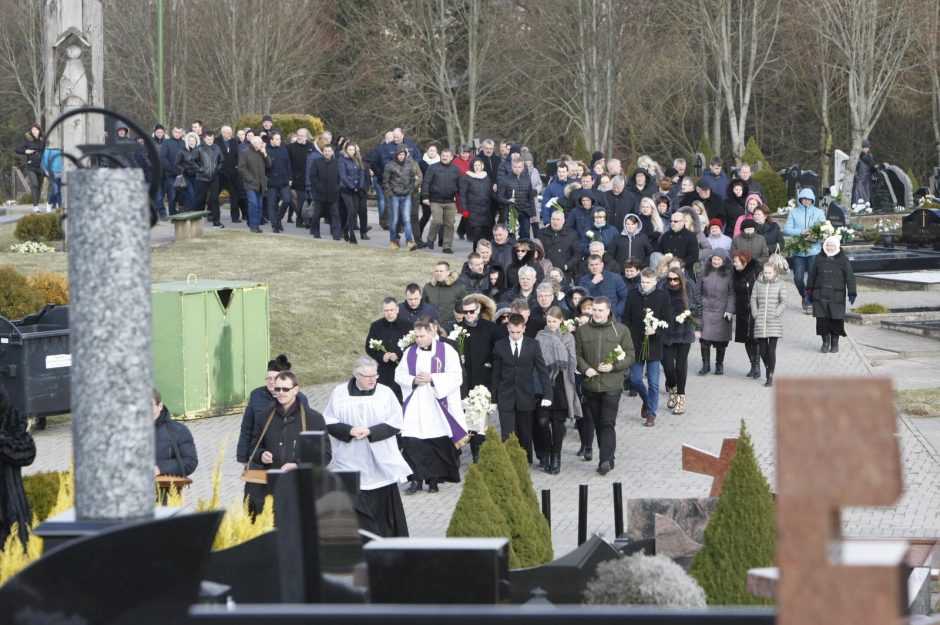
(48, 208)
(35, 209)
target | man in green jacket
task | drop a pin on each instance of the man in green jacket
(603, 381)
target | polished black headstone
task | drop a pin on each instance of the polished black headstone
(810, 179)
(251, 569)
(135, 574)
(921, 227)
(438, 570)
(314, 448)
(565, 579)
(835, 214)
(792, 179)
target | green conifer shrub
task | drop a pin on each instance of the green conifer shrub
(42, 489)
(753, 155)
(741, 533)
(705, 148)
(39, 227)
(17, 299)
(520, 464)
(775, 191)
(476, 514)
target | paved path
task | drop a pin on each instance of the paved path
(649, 459)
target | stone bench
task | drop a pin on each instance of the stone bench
(188, 225)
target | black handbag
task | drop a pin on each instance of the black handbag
(180, 183)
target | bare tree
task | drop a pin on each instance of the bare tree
(21, 53)
(932, 38)
(870, 41)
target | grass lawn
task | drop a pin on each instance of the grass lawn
(323, 295)
(923, 402)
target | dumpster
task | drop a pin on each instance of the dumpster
(35, 362)
(210, 344)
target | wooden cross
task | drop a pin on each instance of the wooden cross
(699, 461)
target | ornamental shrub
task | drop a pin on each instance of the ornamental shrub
(740, 535)
(42, 489)
(520, 464)
(872, 309)
(52, 286)
(775, 191)
(753, 155)
(39, 227)
(501, 480)
(643, 580)
(705, 148)
(476, 514)
(286, 123)
(17, 299)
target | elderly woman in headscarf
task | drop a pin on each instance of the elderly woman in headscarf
(830, 280)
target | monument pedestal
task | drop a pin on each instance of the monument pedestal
(64, 528)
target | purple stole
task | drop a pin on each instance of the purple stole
(457, 434)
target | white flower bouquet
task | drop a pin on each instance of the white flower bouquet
(568, 325)
(476, 408)
(377, 345)
(650, 322)
(459, 335)
(615, 356)
(685, 317)
(861, 207)
(406, 341)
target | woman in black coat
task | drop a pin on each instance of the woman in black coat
(476, 191)
(679, 336)
(746, 272)
(175, 450)
(769, 228)
(829, 281)
(17, 450)
(32, 147)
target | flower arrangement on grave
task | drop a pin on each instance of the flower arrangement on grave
(650, 322)
(459, 335)
(686, 317)
(476, 408)
(861, 207)
(801, 244)
(406, 341)
(31, 247)
(928, 201)
(900, 209)
(567, 326)
(846, 234)
(377, 345)
(783, 210)
(886, 225)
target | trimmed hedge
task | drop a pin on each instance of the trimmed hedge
(287, 124)
(775, 191)
(39, 227)
(42, 489)
(741, 535)
(476, 514)
(520, 464)
(17, 298)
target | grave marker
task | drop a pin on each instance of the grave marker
(698, 461)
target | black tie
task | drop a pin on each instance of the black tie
(515, 349)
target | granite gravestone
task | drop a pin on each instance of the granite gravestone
(922, 227)
(810, 179)
(901, 187)
(839, 159)
(823, 579)
(791, 177)
(677, 525)
(698, 461)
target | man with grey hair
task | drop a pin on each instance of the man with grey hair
(363, 418)
(524, 290)
(744, 173)
(490, 158)
(618, 201)
(229, 179)
(562, 244)
(680, 166)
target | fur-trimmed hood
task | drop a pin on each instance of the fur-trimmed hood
(487, 305)
(448, 281)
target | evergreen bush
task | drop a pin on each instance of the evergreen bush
(503, 484)
(705, 148)
(741, 533)
(643, 580)
(775, 191)
(753, 155)
(476, 514)
(520, 464)
(17, 299)
(42, 489)
(915, 184)
(581, 151)
(39, 227)
(286, 124)
(52, 286)
(872, 309)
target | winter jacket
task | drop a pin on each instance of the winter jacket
(399, 177)
(520, 188)
(474, 282)
(34, 160)
(755, 243)
(314, 155)
(443, 295)
(717, 299)
(594, 342)
(514, 293)
(768, 301)
(611, 286)
(648, 189)
(528, 260)
(636, 245)
(298, 153)
(283, 432)
(829, 281)
(635, 311)
(562, 247)
(175, 448)
(410, 315)
(229, 156)
(772, 233)
(722, 240)
(389, 332)
(352, 177)
(260, 403)
(476, 191)
(279, 173)
(441, 183)
(169, 150)
(682, 244)
(251, 168)
(743, 282)
(210, 161)
(580, 219)
(803, 218)
(324, 180)
(606, 234)
(619, 206)
(718, 184)
(558, 351)
(188, 163)
(734, 205)
(554, 189)
(678, 333)
(581, 269)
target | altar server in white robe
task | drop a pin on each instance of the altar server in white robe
(363, 418)
(430, 376)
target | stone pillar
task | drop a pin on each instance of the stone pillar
(112, 406)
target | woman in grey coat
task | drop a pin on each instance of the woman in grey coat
(717, 309)
(558, 351)
(829, 281)
(768, 301)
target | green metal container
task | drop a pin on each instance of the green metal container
(211, 344)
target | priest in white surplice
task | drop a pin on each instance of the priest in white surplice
(430, 376)
(363, 418)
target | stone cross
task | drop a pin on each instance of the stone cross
(698, 461)
(836, 447)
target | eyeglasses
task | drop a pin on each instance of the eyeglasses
(472, 311)
(270, 378)
(367, 377)
(673, 279)
(283, 389)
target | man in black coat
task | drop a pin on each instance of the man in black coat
(298, 153)
(439, 191)
(632, 242)
(515, 190)
(228, 177)
(175, 448)
(562, 244)
(477, 355)
(209, 157)
(618, 201)
(647, 296)
(515, 359)
(324, 189)
(679, 241)
(388, 331)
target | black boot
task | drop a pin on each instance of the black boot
(414, 487)
(556, 464)
(432, 486)
(706, 360)
(834, 347)
(770, 379)
(825, 344)
(755, 367)
(719, 361)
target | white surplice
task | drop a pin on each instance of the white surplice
(423, 415)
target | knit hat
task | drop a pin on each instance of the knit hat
(157, 127)
(866, 143)
(715, 222)
(748, 223)
(596, 156)
(267, 118)
(671, 172)
(702, 184)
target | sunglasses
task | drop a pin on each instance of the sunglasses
(472, 311)
(283, 389)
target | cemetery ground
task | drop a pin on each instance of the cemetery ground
(324, 295)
